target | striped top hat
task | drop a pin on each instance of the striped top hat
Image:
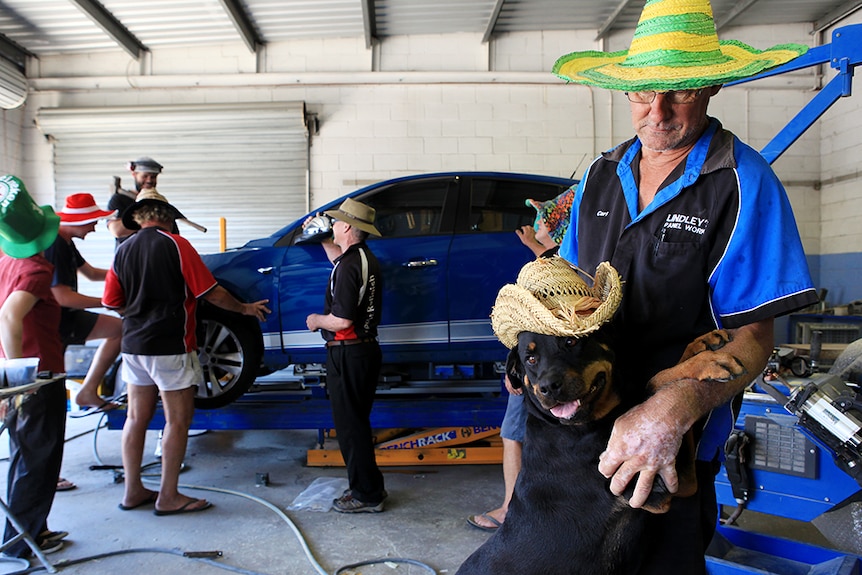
(675, 47)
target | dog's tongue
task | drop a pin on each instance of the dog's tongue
(566, 410)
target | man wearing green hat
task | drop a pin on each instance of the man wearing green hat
(692, 219)
(29, 327)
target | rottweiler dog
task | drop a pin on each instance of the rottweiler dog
(563, 518)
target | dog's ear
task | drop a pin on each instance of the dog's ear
(515, 369)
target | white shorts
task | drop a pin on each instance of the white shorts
(167, 372)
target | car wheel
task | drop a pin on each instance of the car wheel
(230, 353)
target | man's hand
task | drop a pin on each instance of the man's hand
(510, 389)
(258, 309)
(644, 442)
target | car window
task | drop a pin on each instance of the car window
(498, 205)
(413, 208)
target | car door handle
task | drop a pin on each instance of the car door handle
(420, 263)
(265, 271)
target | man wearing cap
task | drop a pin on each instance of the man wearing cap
(145, 172)
(29, 317)
(348, 324)
(77, 326)
(155, 282)
(691, 218)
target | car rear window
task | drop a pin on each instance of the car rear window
(498, 205)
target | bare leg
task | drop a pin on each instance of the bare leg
(179, 407)
(110, 329)
(142, 405)
(511, 469)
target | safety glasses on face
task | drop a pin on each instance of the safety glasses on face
(673, 96)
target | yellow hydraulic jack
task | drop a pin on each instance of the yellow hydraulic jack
(437, 446)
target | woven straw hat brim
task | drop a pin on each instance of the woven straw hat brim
(675, 47)
(519, 310)
(609, 70)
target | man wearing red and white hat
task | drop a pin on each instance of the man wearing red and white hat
(77, 326)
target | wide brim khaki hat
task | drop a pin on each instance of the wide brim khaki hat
(551, 297)
(675, 47)
(148, 197)
(356, 214)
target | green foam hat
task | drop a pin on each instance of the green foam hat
(25, 228)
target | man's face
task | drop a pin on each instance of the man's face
(339, 232)
(145, 180)
(663, 126)
(82, 231)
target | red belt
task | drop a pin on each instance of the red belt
(339, 342)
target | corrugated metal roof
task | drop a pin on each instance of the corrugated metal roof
(61, 26)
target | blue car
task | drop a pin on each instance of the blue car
(447, 246)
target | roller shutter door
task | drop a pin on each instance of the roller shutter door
(244, 162)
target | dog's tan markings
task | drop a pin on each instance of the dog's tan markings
(608, 398)
(712, 341)
(714, 366)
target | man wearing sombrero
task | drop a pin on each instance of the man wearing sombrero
(702, 233)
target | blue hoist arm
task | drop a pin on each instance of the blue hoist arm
(843, 54)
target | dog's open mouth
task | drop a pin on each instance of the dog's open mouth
(569, 409)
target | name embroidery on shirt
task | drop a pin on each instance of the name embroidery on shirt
(691, 224)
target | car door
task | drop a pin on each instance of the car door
(416, 220)
(487, 254)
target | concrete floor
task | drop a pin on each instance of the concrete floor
(424, 518)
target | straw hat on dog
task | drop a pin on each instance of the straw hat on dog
(675, 47)
(551, 298)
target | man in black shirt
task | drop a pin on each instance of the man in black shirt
(145, 172)
(349, 323)
(77, 326)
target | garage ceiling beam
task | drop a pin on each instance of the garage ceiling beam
(836, 16)
(737, 9)
(15, 53)
(612, 19)
(492, 21)
(112, 27)
(243, 24)
(369, 22)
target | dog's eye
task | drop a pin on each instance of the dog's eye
(531, 359)
(571, 342)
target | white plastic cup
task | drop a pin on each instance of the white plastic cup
(21, 371)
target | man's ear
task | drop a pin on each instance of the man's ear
(515, 369)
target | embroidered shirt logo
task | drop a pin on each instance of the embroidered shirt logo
(691, 224)
(602, 214)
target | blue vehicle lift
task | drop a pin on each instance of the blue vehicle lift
(778, 492)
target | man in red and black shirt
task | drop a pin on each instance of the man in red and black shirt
(349, 323)
(155, 281)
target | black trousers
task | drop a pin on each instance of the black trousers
(352, 372)
(37, 431)
(679, 538)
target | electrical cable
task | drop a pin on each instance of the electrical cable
(284, 517)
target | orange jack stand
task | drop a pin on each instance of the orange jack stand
(437, 446)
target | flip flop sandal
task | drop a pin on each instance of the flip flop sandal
(472, 521)
(65, 485)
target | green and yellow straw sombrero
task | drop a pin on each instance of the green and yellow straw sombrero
(675, 47)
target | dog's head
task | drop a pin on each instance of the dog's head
(567, 378)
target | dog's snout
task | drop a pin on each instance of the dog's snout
(550, 388)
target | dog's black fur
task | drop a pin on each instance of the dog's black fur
(563, 519)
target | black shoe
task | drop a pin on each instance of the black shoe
(349, 504)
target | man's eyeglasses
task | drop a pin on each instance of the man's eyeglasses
(674, 96)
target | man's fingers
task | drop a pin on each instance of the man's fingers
(643, 487)
(670, 478)
(608, 464)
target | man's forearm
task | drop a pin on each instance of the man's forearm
(712, 378)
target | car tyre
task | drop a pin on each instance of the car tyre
(230, 353)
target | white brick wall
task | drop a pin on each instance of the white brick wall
(467, 118)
